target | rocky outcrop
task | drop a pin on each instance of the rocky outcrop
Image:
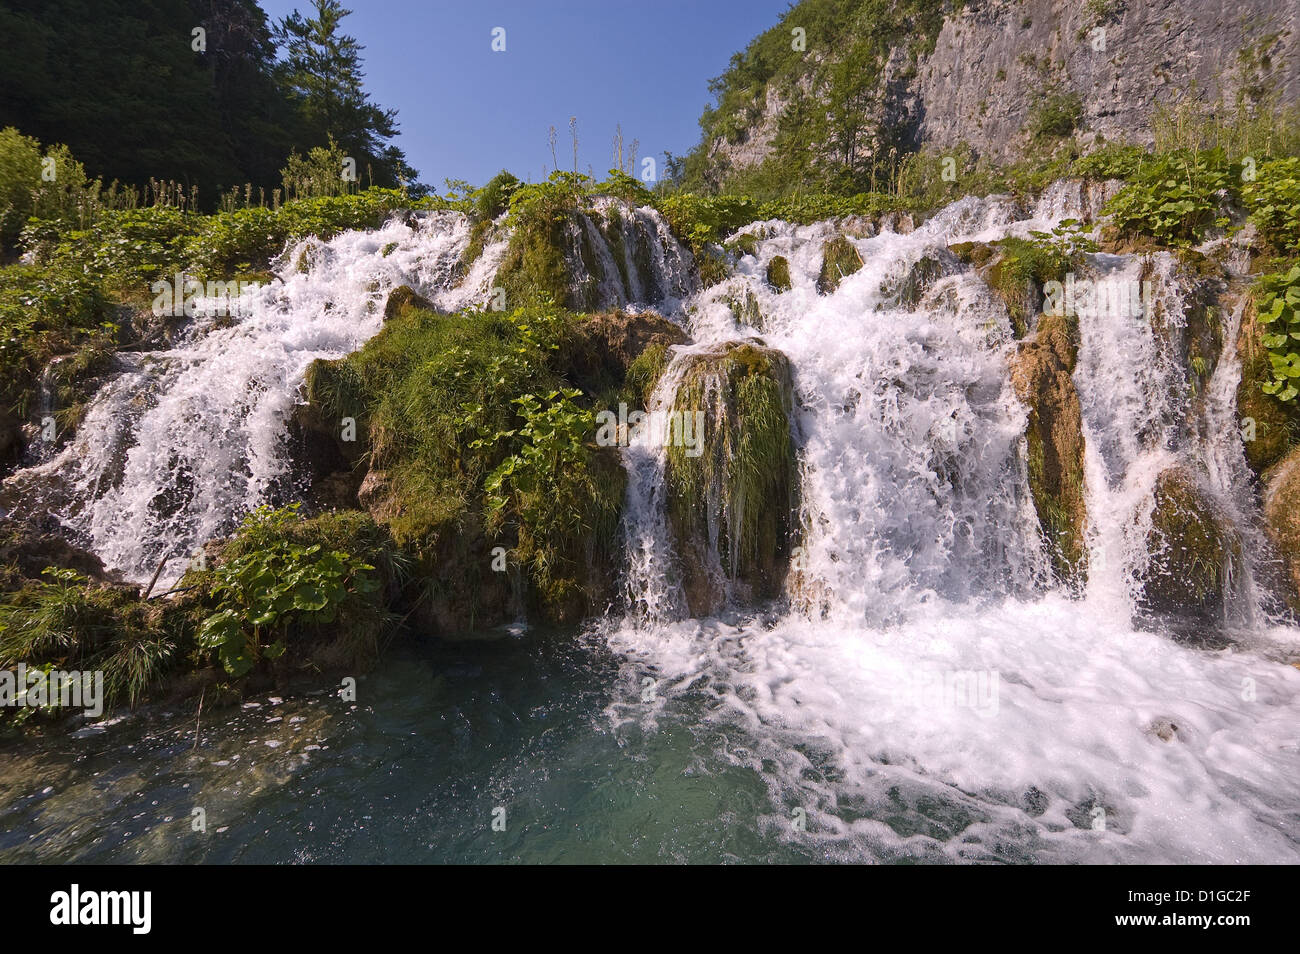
(1194, 555)
(998, 70)
(1282, 520)
(605, 346)
(1041, 374)
(733, 497)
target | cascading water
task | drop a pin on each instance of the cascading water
(185, 441)
(944, 699)
(932, 695)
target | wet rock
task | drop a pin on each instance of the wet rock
(918, 279)
(1041, 372)
(1194, 555)
(27, 549)
(778, 273)
(404, 296)
(733, 498)
(606, 345)
(1164, 729)
(840, 259)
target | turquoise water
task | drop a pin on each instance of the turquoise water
(766, 750)
(411, 772)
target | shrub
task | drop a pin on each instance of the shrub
(1175, 197)
(273, 584)
(1277, 309)
(1273, 198)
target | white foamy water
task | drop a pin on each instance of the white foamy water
(184, 442)
(948, 701)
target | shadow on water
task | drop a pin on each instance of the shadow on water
(441, 737)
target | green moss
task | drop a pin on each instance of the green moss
(1192, 551)
(778, 273)
(742, 489)
(973, 253)
(744, 244)
(436, 402)
(840, 259)
(1041, 373)
(644, 373)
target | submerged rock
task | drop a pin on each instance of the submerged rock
(733, 498)
(1041, 372)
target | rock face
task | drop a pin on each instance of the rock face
(732, 505)
(607, 344)
(1041, 373)
(996, 63)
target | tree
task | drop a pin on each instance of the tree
(321, 72)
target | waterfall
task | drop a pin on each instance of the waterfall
(931, 669)
(620, 255)
(183, 442)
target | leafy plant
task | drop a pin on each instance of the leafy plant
(262, 592)
(1175, 197)
(1277, 308)
(1273, 198)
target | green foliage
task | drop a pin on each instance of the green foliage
(50, 185)
(494, 198)
(123, 86)
(643, 374)
(69, 622)
(44, 311)
(482, 441)
(1273, 198)
(1277, 309)
(1057, 115)
(1113, 161)
(829, 137)
(320, 173)
(277, 583)
(1026, 265)
(1175, 197)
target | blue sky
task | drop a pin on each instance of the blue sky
(467, 112)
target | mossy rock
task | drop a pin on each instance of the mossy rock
(1041, 373)
(977, 254)
(919, 278)
(1267, 424)
(738, 497)
(402, 297)
(602, 349)
(840, 259)
(1194, 553)
(778, 273)
(744, 244)
(1282, 521)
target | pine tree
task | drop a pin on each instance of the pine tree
(322, 72)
